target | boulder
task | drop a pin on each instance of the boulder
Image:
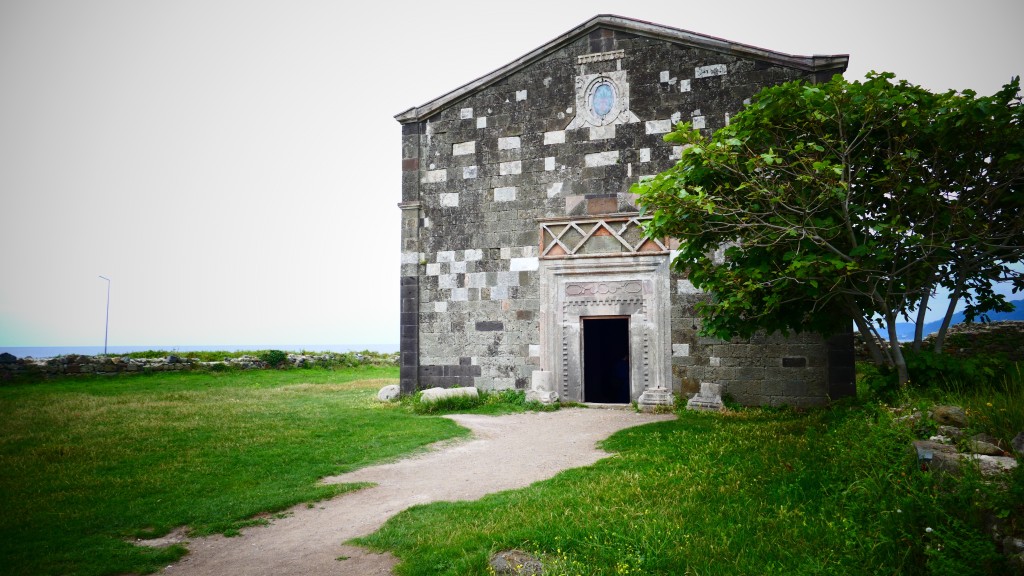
(7, 358)
(911, 419)
(434, 394)
(950, 416)
(951, 432)
(515, 563)
(987, 448)
(389, 393)
(994, 465)
(1018, 443)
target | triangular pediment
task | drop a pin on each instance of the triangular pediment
(828, 64)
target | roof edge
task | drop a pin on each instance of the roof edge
(816, 63)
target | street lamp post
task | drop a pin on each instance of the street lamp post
(106, 323)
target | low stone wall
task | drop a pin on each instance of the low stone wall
(1005, 338)
(12, 367)
(963, 340)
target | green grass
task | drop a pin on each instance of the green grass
(88, 463)
(750, 492)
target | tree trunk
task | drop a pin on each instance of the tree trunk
(919, 327)
(869, 338)
(897, 353)
(940, 337)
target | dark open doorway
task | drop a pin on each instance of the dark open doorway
(606, 360)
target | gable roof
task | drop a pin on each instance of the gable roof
(817, 63)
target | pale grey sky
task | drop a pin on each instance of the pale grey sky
(234, 166)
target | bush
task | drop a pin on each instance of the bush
(274, 358)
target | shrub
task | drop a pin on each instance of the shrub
(274, 358)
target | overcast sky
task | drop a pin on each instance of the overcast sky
(234, 167)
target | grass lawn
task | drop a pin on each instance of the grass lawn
(88, 463)
(750, 492)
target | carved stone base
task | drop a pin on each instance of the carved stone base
(709, 398)
(653, 397)
(541, 388)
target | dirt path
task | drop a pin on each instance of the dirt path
(504, 452)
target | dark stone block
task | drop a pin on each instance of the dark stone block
(524, 314)
(794, 362)
(410, 164)
(490, 326)
(465, 361)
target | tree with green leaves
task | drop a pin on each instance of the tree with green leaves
(847, 200)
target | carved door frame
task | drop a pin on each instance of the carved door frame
(632, 286)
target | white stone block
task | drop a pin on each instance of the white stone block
(520, 95)
(556, 137)
(505, 194)
(524, 264)
(658, 126)
(476, 280)
(499, 293)
(446, 256)
(554, 189)
(606, 158)
(508, 279)
(434, 176)
(602, 132)
(457, 267)
(714, 361)
(512, 168)
(463, 148)
(695, 112)
(441, 306)
(529, 251)
(645, 155)
(469, 172)
(549, 163)
(431, 395)
(677, 153)
(481, 122)
(474, 254)
(410, 257)
(534, 353)
(684, 85)
(459, 295)
(708, 71)
(684, 286)
(675, 118)
(465, 113)
(509, 143)
(680, 350)
(447, 281)
(433, 269)
(664, 76)
(449, 199)
(506, 252)
(698, 122)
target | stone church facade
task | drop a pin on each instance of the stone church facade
(521, 244)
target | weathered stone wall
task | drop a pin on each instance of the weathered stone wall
(479, 173)
(78, 364)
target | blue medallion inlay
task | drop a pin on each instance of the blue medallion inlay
(603, 99)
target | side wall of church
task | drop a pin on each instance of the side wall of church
(478, 174)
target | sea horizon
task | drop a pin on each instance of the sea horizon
(53, 351)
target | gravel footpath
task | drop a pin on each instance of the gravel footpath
(504, 452)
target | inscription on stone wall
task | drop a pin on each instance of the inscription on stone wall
(592, 289)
